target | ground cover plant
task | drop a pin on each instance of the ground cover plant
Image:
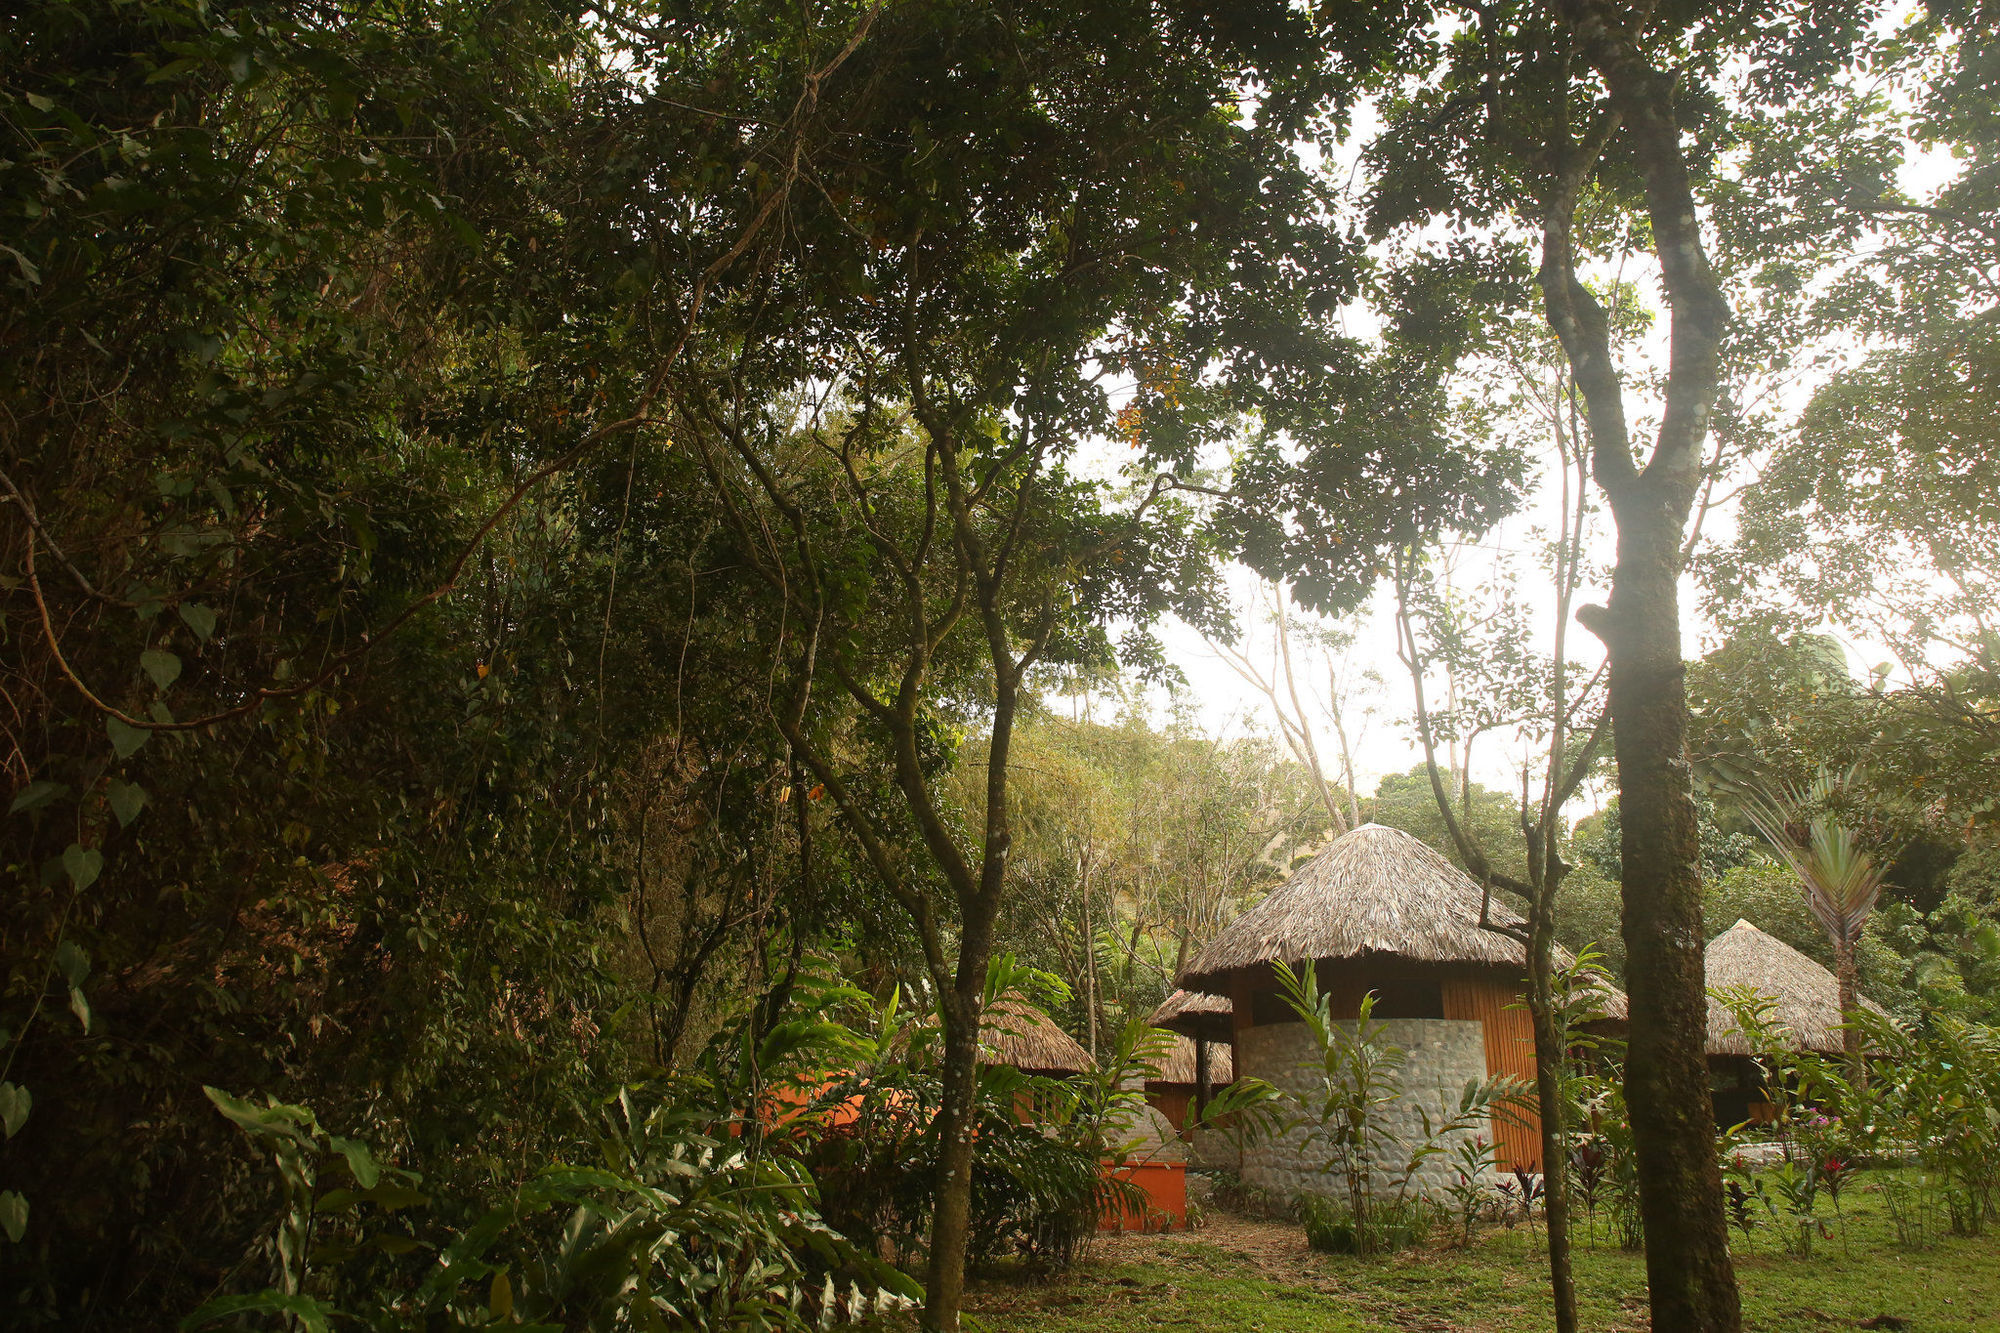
(1261, 1276)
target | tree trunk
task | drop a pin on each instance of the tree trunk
(1693, 1284)
(1201, 1080)
(944, 1278)
(1848, 976)
(1090, 970)
(1549, 1057)
(979, 905)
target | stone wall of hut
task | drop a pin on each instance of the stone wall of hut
(1443, 1055)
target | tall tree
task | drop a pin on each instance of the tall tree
(1873, 513)
(320, 323)
(1279, 684)
(1589, 124)
(1033, 201)
(1557, 719)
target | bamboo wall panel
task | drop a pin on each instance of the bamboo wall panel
(1173, 1103)
(1510, 1049)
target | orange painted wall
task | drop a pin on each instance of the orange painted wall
(1165, 1188)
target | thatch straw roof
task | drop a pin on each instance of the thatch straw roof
(1014, 1032)
(1177, 1065)
(1372, 891)
(1612, 1005)
(1807, 995)
(1193, 1014)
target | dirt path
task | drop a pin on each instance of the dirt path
(1275, 1249)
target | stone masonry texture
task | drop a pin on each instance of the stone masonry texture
(1443, 1055)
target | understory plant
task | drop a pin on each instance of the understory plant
(1520, 1193)
(871, 1135)
(674, 1217)
(1346, 1113)
(1470, 1186)
(1052, 1152)
(1605, 1156)
(1603, 1164)
(1932, 1096)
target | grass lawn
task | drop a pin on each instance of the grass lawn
(1258, 1277)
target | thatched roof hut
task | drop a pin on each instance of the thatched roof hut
(1177, 1066)
(1379, 913)
(1193, 1014)
(1373, 892)
(1014, 1032)
(1807, 995)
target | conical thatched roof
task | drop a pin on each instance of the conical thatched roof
(1373, 891)
(1613, 1006)
(1193, 1014)
(1177, 1065)
(1807, 994)
(1014, 1032)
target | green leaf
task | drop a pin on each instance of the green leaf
(79, 1004)
(277, 1121)
(125, 738)
(36, 795)
(199, 618)
(72, 962)
(15, 1103)
(13, 1215)
(391, 1197)
(164, 667)
(173, 69)
(82, 864)
(360, 1161)
(26, 265)
(500, 1298)
(127, 799)
(310, 1314)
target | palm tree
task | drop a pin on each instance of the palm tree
(1840, 876)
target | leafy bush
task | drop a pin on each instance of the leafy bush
(1604, 1158)
(1934, 1094)
(1391, 1224)
(1470, 1186)
(682, 1210)
(1040, 1179)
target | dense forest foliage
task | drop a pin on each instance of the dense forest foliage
(558, 562)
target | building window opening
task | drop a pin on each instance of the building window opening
(1409, 999)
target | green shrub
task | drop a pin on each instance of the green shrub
(1389, 1225)
(686, 1207)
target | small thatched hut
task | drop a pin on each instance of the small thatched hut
(1015, 1032)
(1808, 1002)
(1182, 1085)
(1195, 1015)
(1201, 1057)
(1378, 911)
